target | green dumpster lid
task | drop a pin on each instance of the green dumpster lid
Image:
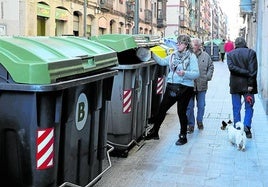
(215, 41)
(123, 42)
(45, 60)
(145, 40)
(118, 42)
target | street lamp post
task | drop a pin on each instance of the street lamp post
(136, 17)
(85, 18)
(179, 21)
(211, 13)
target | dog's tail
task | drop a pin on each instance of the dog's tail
(239, 125)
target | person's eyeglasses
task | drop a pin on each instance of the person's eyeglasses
(181, 42)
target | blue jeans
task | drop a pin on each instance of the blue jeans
(201, 103)
(237, 104)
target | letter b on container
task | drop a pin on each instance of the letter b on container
(81, 111)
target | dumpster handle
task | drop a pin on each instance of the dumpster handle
(69, 184)
(96, 178)
(122, 145)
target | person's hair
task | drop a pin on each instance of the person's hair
(197, 40)
(185, 39)
(240, 42)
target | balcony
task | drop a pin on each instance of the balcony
(148, 16)
(246, 6)
(130, 9)
(106, 5)
(183, 3)
(161, 14)
(161, 23)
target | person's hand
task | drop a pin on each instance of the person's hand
(180, 72)
(249, 99)
(250, 88)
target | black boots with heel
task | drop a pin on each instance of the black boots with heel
(152, 134)
(182, 140)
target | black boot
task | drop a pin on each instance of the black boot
(152, 134)
(182, 140)
(248, 132)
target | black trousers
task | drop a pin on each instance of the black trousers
(168, 101)
(222, 56)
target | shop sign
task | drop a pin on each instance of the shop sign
(43, 10)
(61, 14)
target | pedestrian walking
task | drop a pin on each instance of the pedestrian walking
(206, 69)
(228, 46)
(242, 64)
(221, 50)
(183, 69)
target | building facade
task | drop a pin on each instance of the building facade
(197, 18)
(9, 20)
(80, 17)
(173, 12)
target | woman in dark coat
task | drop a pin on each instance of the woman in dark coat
(243, 67)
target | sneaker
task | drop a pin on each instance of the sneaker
(248, 132)
(200, 125)
(152, 134)
(182, 140)
(190, 129)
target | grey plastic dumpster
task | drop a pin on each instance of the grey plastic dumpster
(131, 94)
(53, 109)
(158, 81)
(153, 78)
(215, 55)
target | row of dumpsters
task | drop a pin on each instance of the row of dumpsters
(67, 103)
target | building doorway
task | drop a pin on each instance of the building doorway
(41, 26)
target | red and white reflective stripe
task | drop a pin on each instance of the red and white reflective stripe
(127, 101)
(160, 83)
(45, 148)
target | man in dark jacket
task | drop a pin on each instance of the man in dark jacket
(243, 66)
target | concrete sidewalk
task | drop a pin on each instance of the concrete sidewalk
(207, 160)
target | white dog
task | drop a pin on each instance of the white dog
(237, 136)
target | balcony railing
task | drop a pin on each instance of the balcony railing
(106, 5)
(161, 23)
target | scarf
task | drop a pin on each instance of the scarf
(179, 58)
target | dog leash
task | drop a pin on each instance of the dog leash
(248, 98)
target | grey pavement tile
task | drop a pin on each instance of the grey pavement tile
(219, 181)
(175, 160)
(160, 184)
(193, 180)
(244, 181)
(169, 169)
(166, 177)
